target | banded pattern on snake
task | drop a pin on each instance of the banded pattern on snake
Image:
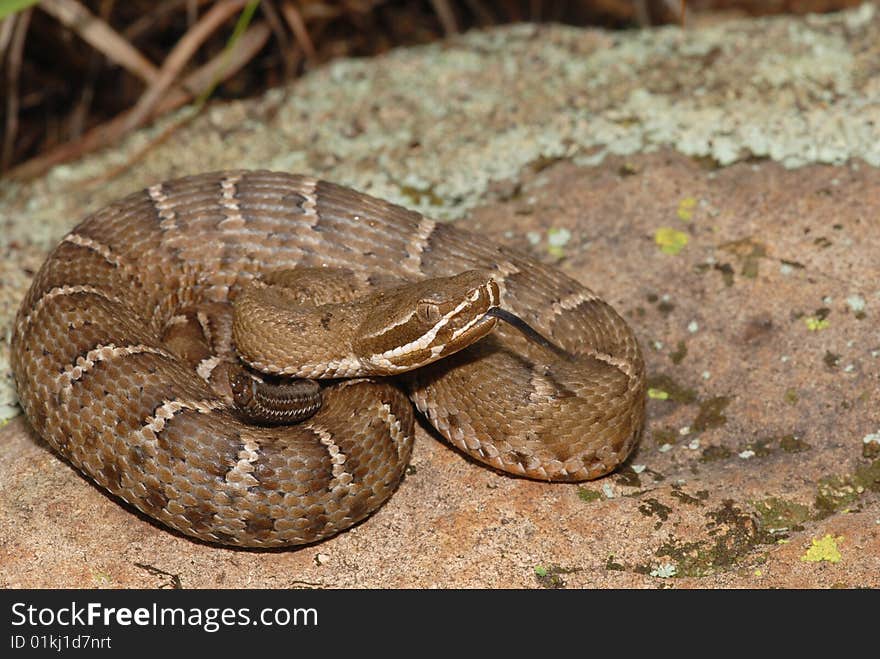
(122, 351)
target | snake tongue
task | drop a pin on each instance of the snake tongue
(528, 331)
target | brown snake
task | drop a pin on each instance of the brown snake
(123, 350)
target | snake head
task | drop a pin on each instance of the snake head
(421, 322)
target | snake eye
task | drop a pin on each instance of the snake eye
(428, 312)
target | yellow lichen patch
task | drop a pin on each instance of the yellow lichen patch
(102, 579)
(685, 210)
(657, 394)
(557, 239)
(824, 549)
(815, 324)
(670, 240)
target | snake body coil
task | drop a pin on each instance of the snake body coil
(108, 375)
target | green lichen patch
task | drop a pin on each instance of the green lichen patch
(711, 414)
(663, 436)
(695, 499)
(656, 477)
(587, 495)
(840, 492)
(748, 252)
(627, 477)
(836, 493)
(726, 271)
(790, 396)
(611, 564)
(690, 557)
(551, 576)
(421, 197)
(653, 508)
(628, 169)
(732, 532)
(868, 476)
(680, 353)
(779, 516)
(665, 307)
(676, 392)
(793, 444)
(761, 448)
(766, 446)
(714, 453)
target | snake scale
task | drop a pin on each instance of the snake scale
(119, 347)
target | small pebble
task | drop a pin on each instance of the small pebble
(558, 237)
(856, 303)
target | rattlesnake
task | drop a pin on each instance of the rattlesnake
(103, 357)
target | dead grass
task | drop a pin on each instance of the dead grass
(78, 75)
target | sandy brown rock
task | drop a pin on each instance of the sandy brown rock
(757, 451)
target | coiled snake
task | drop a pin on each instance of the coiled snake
(127, 355)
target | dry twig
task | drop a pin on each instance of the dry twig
(178, 57)
(16, 48)
(298, 27)
(101, 36)
(446, 15)
(223, 66)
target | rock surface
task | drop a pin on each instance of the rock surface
(717, 186)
